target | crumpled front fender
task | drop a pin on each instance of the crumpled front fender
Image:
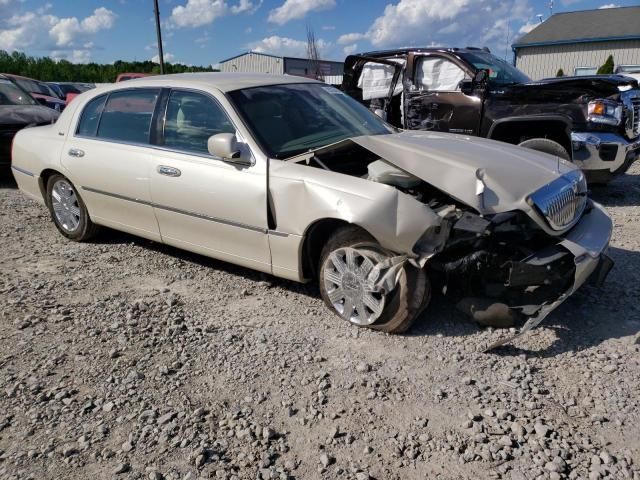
(302, 195)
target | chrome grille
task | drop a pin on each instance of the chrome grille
(635, 116)
(562, 201)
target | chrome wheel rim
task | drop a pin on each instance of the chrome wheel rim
(65, 206)
(346, 272)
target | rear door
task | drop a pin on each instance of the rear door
(434, 100)
(108, 157)
(376, 83)
(202, 203)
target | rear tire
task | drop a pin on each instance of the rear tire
(546, 146)
(401, 306)
(68, 211)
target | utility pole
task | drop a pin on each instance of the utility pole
(156, 12)
(550, 8)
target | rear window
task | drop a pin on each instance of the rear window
(127, 116)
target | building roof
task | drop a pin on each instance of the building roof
(249, 52)
(225, 82)
(605, 24)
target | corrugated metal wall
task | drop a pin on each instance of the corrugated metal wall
(253, 63)
(542, 62)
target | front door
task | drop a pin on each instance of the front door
(434, 100)
(202, 203)
(109, 159)
(376, 83)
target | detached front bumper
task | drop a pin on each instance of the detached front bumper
(587, 242)
(607, 153)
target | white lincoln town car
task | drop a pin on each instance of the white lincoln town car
(292, 177)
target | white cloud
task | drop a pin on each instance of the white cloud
(40, 30)
(349, 49)
(350, 38)
(527, 27)
(609, 5)
(328, 27)
(73, 56)
(196, 13)
(248, 6)
(296, 9)
(284, 46)
(168, 57)
(445, 22)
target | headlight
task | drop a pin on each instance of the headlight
(605, 111)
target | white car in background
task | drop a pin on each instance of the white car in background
(292, 177)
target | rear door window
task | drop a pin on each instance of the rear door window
(88, 125)
(127, 115)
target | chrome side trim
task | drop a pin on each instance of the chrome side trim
(186, 212)
(22, 170)
(119, 197)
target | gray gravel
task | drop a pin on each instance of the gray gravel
(127, 359)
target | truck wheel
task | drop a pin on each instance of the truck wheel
(68, 211)
(344, 267)
(547, 146)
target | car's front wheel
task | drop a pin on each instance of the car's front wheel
(68, 211)
(345, 264)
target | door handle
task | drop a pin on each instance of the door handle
(76, 152)
(169, 171)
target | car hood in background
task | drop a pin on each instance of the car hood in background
(27, 115)
(487, 175)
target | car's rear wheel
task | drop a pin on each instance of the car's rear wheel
(345, 264)
(68, 211)
(547, 146)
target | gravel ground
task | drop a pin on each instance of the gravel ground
(127, 359)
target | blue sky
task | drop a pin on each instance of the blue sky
(203, 32)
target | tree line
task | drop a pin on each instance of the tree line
(49, 70)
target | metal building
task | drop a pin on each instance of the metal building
(580, 42)
(255, 62)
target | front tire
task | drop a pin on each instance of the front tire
(546, 146)
(68, 211)
(345, 262)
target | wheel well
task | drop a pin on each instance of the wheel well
(315, 239)
(44, 179)
(518, 131)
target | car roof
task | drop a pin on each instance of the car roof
(407, 50)
(223, 81)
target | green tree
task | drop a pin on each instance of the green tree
(49, 70)
(607, 67)
(560, 73)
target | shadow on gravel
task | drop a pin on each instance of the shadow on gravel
(621, 192)
(593, 315)
(6, 178)
(108, 236)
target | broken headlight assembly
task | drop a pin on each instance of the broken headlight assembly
(605, 112)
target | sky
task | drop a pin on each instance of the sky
(204, 32)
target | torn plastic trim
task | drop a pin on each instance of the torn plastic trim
(384, 276)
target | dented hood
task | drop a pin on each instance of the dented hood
(452, 163)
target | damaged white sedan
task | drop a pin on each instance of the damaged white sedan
(292, 177)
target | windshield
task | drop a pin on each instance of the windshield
(12, 95)
(500, 72)
(34, 87)
(292, 119)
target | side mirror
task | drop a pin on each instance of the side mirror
(481, 77)
(466, 86)
(226, 147)
(380, 113)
